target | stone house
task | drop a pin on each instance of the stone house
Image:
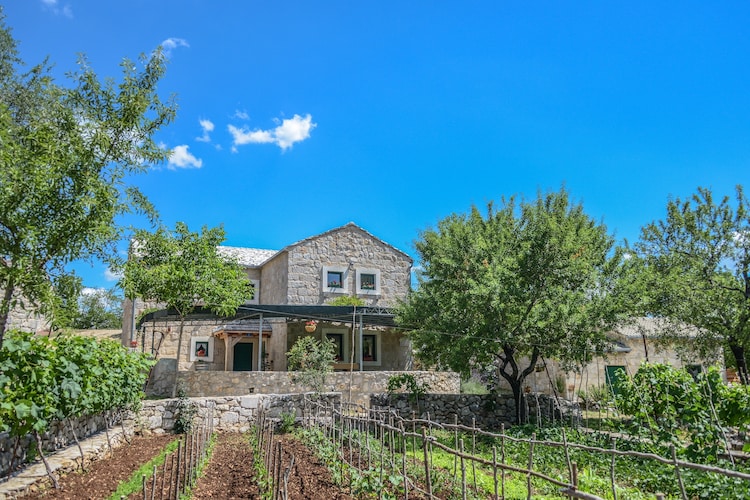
(292, 287)
(631, 344)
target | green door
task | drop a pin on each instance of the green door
(243, 357)
(615, 374)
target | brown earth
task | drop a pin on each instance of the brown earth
(101, 478)
(229, 473)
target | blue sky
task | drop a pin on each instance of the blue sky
(297, 117)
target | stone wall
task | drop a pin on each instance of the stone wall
(233, 413)
(486, 411)
(59, 436)
(352, 248)
(363, 384)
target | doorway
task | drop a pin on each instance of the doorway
(243, 357)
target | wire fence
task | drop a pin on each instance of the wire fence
(379, 450)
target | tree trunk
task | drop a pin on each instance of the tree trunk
(738, 351)
(522, 412)
(5, 309)
(179, 353)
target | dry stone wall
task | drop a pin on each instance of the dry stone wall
(486, 411)
(355, 386)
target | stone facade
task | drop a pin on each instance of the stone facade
(26, 320)
(297, 275)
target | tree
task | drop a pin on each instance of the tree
(98, 308)
(313, 360)
(692, 269)
(527, 282)
(183, 270)
(65, 156)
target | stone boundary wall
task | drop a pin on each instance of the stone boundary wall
(486, 411)
(59, 436)
(363, 384)
(234, 413)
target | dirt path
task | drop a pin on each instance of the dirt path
(102, 477)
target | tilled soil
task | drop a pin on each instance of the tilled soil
(101, 478)
(230, 473)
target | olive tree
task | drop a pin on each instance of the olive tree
(523, 283)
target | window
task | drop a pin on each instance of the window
(340, 338)
(371, 354)
(368, 281)
(335, 279)
(202, 349)
(255, 285)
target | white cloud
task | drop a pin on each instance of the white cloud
(170, 44)
(55, 7)
(291, 130)
(111, 275)
(180, 157)
(242, 115)
(208, 127)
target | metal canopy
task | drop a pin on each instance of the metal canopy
(374, 316)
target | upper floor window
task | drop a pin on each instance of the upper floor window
(255, 285)
(335, 279)
(368, 281)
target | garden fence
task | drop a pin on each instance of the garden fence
(381, 447)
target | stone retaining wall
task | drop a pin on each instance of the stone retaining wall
(486, 411)
(362, 384)
(235, 413)
(59, 436)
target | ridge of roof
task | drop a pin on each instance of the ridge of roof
(339, 228)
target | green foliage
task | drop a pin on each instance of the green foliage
(528, 280)
(407, 381)
(67, 156)
(669, 406)
(183, 270)
(44, 379)
(596, 395)
(288, 420)
(312, 360)
(98, 309)
(346, 300)
(185, 412)
(693, 268)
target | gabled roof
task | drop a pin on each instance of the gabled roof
(256, 257)
(247, 257)
(346, 226)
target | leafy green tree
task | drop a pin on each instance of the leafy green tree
(693, 268)
(183, 270)
(67, 154)
(526, 282)
(98, 308)
(313, 360)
